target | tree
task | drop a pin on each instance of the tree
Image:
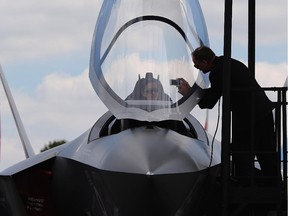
(52, 144)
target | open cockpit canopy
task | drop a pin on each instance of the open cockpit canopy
(140, 48)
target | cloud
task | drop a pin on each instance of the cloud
(63, 107)
(271, 74)
(64, 102)
(34, 29)
(271, 22)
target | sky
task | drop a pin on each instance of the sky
(45, 51)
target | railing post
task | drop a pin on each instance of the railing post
(284, 141)
(225, 144)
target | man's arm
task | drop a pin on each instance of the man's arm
(209, 98)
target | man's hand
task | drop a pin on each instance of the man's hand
(184, 86)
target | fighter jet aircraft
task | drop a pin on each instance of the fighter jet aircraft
(147, 155)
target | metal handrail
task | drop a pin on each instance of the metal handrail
(281, 141)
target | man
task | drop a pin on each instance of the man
(252, 117)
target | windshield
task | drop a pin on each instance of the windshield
(140, 49)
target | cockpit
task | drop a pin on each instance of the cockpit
(139, 52)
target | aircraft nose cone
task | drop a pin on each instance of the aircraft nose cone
(148, 151)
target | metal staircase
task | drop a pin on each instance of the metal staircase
(254, 196)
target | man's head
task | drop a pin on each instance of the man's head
(203, 58)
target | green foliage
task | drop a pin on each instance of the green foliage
(52, 144)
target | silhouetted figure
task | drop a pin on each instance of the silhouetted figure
(252, 117)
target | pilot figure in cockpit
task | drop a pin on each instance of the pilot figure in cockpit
(148, 88)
